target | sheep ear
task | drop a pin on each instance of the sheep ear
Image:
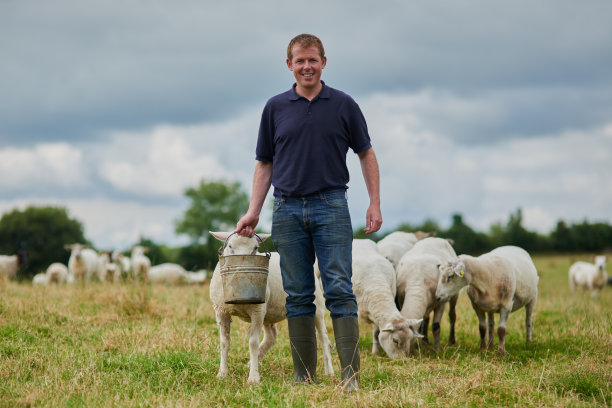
(221, 236)
(263, 236)
(416, 334)
(461, 270)
(414, 322)
(388, 328)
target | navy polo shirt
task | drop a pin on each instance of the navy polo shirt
(307, 141)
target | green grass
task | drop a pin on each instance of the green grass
(116, 346)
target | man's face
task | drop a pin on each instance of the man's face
(307, 65)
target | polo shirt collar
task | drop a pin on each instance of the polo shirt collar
(323, 94)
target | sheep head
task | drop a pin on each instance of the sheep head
(452, 277)
(238, 245)
(397, 336)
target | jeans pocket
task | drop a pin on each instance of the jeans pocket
(336, 200)
(278, 203)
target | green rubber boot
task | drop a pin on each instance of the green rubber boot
(346, 331)
(303, 341)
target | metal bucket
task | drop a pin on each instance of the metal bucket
(244, 277)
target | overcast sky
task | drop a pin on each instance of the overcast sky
(112, 109)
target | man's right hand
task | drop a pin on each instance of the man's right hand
(246, 225)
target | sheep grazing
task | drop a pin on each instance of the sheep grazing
(365, 246)
(141, 264)
(40, 279)
(171, 273)
(395, 245)
(264, 315)
(374, 285)
(417, 281)
(57, 273)
(9, 264)
(422, 234)
(589, 276)
(500, 281)
(83, 262)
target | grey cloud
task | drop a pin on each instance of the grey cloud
(74, 72)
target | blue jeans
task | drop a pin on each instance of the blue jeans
(318, 224)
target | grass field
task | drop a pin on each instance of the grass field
(106, 345)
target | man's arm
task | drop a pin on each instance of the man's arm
(262, 179)
(371, 175)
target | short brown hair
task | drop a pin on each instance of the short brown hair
(305, 41)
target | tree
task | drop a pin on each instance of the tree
(42, 232)
(515, 234)
(562, 239)
(591, 237)
(466, 240)
(215, 206)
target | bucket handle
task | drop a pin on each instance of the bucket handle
(261, 241)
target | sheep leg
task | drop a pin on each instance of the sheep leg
(254, 332)
(452, 317)
(375, 343)
(223, 322)
(482, 328)
(501, 329)
(529, 307)
(435, 329)
(491, 329)
(321, 329)
(325, 342)
(425, 328)
(592, 289)
(268, 341)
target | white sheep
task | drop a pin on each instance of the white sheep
(123, 265)
(264, 315)
(171, 273)
(589, 276)
(9, 264)
(417, 280)
(106, 269)
(83, 262)
(500, 281)
(57, 273)
(141, 264)
(365, 246)
(40, 279)
(395, 245)
(374, 285)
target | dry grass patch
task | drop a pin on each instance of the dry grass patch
(128, 345)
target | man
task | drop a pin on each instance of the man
(304, 136)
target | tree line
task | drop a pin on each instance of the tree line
(43, 231)
(583, 237)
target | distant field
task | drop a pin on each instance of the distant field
(106, 345)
